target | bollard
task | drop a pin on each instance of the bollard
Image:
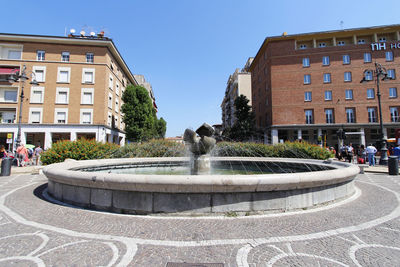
(393, 165)
(6, 166)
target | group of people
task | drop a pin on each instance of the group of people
(23, 156)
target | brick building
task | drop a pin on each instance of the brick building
(307, 86)
(81, 81)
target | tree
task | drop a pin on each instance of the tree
(244, 126)
(161, 127)
(139, 115)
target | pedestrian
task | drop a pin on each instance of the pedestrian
(371, 150)
(396, 151)
(362, 155)
(3, 153)
(350, 152)
(37, 152)
(22, 155)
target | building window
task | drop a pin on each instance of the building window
(40, 55)
(327, 77)
(60, 115)
(389, 56)
(391, 74)
(116, 105)
(346, 59)
(303, 46)
(325, 61)
(341, 43)
(329, 115)
(367, 58)
(306, 62)
(14, 54)
(88, 76)
(350, 115)
(309, 116)
(347, 76)
(87, 96)
(116, 88)
(370, 93)
(322, 44)
(393, 92)
(307, 78)
(86, 116)
(372, 115)
(39, 73)
(89, 58)
(328, 95)
(37, 94)
(111, 83)
(35, 115)
(62, 95)
(394, 114)
(10, 96)
(65, 56)
(307, 96)
(361, 41)
(110, 97)
(382, 39)
(63, 75)
(109, 118)
(349, 94)
(368, 75)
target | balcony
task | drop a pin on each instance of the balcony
(7, 115)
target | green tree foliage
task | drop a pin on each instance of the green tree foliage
(139, 115)
(161, 127)
(244, 127)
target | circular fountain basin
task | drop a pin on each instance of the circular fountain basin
(103, 185)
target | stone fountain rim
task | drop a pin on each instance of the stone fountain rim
(68, 173)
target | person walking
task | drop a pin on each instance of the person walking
(37, 152)
(3, 153)
(350, 153)
(22, 155)
(371, 150)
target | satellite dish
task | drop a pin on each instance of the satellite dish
(92, 33)
(82, 33)
(72, 31)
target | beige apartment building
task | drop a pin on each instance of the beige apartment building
(81, 81)
(239, 83)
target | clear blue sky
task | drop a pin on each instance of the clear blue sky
(187, 49)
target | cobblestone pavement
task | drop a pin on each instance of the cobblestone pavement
(361, 231)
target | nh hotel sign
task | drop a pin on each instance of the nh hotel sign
(384, 46)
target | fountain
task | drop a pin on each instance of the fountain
(213, 185)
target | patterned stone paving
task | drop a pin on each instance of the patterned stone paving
(361, 231)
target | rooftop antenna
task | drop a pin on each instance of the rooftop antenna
(341, 24)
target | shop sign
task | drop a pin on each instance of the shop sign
(384, 46)
(9, 135)
(9, 141)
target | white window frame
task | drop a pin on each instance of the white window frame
(328, 95)
(349, 94)
(86, 110)
(36, 88)
(372, 119)
(303, 46)
(391, 73)
(329, 118)
(43, 55)
(393, 92)
(109, 119)
(56, 110)
(31, 110)
(111, 83)
(87, 90)
(110, 100)
(14, 91)
(116, 106)
(368, 75)
(59, 70)
(394, 114)
(67, 55)
(309, 116)
(382, 39)
(308, 80)
(322, 44)
(341, 43)
(62, 89)
(327, 78)
(306, 62)
(87, 58)
(369, 96)
(367, 57)
(35, 69)
(361, 41)
(389, 56)
(350, 115)
(116, 88)
(346, 59)
(308, 96)
(84, 70)
(326, 61)
(347, 76)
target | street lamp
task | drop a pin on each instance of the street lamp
(20, 76)
(379, 73)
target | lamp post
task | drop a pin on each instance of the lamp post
(21, 77)
(379, 73)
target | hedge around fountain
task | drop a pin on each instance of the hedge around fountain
(83, 149)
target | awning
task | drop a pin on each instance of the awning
(8, 71)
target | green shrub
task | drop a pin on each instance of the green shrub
(79, 150)
(286, 150)
(152, 148)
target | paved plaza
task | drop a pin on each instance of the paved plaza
(361, 231)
